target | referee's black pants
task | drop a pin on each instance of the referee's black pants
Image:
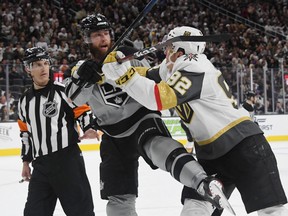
(59, 175)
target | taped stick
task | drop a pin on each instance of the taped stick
(161, 45)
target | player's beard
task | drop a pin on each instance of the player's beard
(97, 53)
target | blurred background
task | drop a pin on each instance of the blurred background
(254, 59)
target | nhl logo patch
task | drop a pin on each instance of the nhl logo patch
(50, 109)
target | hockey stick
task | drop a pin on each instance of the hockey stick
(128, 31)
(159, 46)
(137, 20)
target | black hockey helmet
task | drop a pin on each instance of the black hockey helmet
(250, 94)
(35, 54)
(92, 23)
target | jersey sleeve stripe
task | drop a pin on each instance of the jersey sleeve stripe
(167, 96)
(157, 97)
(78, 111)
(22, 125)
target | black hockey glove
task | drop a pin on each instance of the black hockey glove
(89, 71)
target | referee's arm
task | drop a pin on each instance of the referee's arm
(84, 116)
(26, 150)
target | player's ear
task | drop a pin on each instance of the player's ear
(180, 53)
(28, 70)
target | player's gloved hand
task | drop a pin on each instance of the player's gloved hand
(120, 73)
(87, 71)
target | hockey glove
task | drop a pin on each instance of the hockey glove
(120, 73)
(87, 71)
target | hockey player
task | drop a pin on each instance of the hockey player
(249, 103)
(228, 144)
(129, 129)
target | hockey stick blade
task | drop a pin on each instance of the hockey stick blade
(223, 201)
(159, 46)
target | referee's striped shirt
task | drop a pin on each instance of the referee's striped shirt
(47, 121)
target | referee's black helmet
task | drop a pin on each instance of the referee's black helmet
(35, 54)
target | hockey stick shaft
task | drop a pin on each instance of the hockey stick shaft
(128, 31)
(159, 46)
(137, 20)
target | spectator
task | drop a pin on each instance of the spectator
(262, 48)
(53, 47)
(4, 116)
(63, 49)
(2, 73)
(18, 51)
(62, 35)
(279, 108)
(138, 43)
(64, 65)
(2, 49)
(249, 103)
(13, 74)
(72, 56)
(8, 53)
(19, 68)
(42, 43)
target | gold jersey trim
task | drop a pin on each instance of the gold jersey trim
(167, 95)
(224, 130)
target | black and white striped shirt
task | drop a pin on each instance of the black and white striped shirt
(47, 121)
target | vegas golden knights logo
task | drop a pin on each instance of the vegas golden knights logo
(187, 33)
(185, 112)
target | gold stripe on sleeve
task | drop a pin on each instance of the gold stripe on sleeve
(141, 70)
(167, 96)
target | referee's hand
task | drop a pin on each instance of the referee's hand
(26, 171)
(90, 134)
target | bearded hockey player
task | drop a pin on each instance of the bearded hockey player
(130, 129)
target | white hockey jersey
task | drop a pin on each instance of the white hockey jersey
(203, 101)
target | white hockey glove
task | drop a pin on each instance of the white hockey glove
(120, 73)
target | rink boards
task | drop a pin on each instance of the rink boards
(274, 127)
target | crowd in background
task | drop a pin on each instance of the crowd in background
(54, 25)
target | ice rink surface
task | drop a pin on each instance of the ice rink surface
(159, 193)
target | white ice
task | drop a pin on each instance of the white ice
(159, 193)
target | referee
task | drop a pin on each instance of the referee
(49, 136)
